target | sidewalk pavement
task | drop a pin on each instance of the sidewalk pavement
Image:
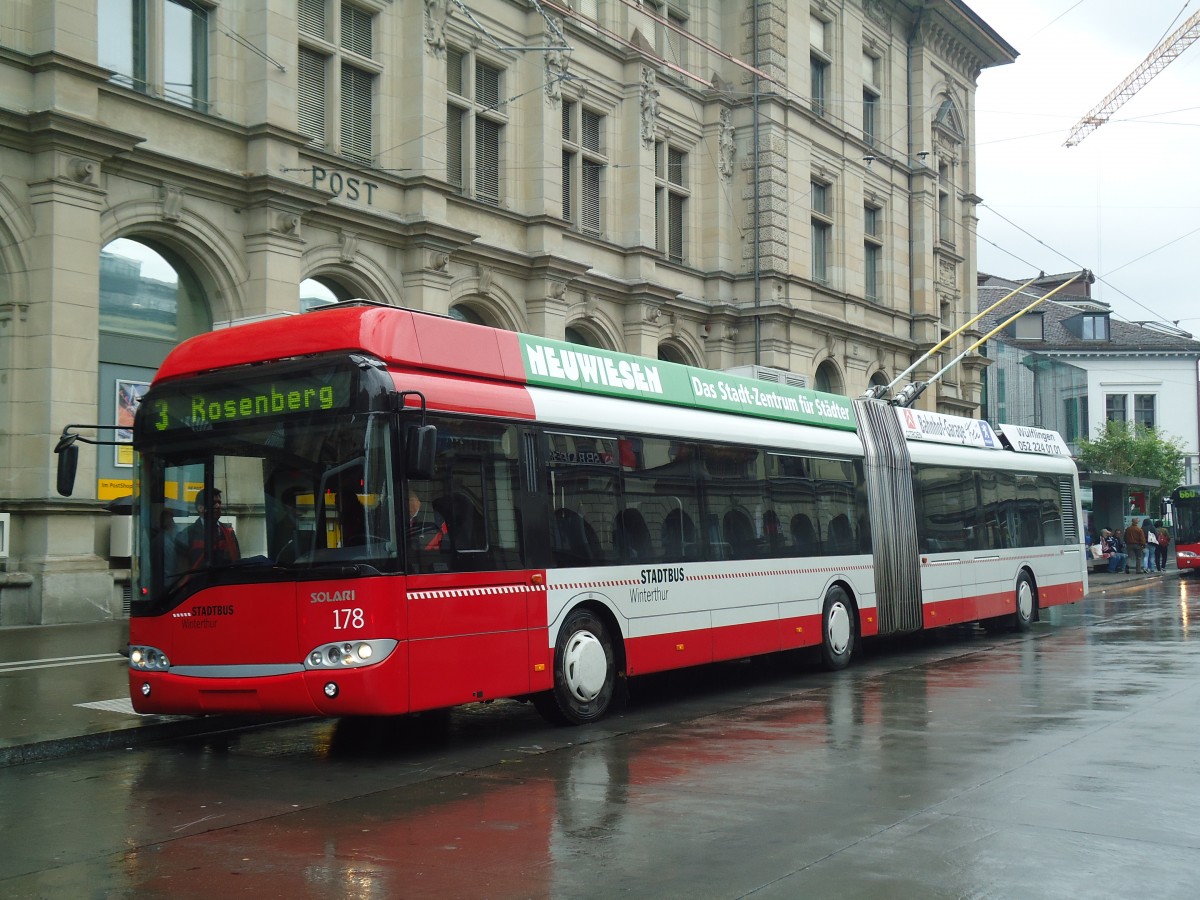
(64, 689)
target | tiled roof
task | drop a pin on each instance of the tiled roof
(1124, 337)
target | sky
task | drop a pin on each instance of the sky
(1123, 202)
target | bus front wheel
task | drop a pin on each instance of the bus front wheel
(837, 629)
(585, 672)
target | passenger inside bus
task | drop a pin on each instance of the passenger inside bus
(804, 536)
(631, 537)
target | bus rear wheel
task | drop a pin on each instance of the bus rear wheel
(585, 672)
(837, 629)
(1026, 596)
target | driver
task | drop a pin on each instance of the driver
(427, 530)
(225, 550)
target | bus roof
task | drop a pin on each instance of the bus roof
(409, 339)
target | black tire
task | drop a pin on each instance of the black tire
(838, 629)
(585, 672)
(1026, 597)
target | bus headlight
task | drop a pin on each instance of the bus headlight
(349, 654)
(148, 659)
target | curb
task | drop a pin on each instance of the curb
(165, 728)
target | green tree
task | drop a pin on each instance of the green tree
(1139, 451)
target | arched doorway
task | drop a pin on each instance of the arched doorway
(150, 300)
(317, 292)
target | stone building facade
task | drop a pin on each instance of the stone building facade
(781, 183)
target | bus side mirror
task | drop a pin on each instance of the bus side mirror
(68, 463)
(420, 448)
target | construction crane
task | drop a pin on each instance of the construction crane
(1160, 57)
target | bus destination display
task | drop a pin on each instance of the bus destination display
(199, 409)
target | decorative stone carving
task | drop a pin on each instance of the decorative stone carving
(172, 202)
(348, 248)
(556, 63)
(436, 14)
(288, 223)
(438, 261)
(486, 274)
(84, 171)
(725, 144)
(649, 103)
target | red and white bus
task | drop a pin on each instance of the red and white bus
(1185, 525)
(429, 513)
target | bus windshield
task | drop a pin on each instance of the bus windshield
(261, 500)
(1187, 516)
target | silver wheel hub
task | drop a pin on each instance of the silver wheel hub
(1024, 600)
(837, 628)
(585, 666)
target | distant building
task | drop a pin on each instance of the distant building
(1134, 372)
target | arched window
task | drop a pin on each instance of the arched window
(147, 291)
(577, 334)
(827, 378)
(668, 353)
(465, 313)
(316, 292)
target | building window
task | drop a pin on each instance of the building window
(1114, 408)
(1143, 410)
(584, 160)
(872, 250)
(945, 206)
(1095, 328)
(820, 63)
(663, 31)
(475, 120)
(822, 231)
(1028, 327)
(158, 47)
(870, 123)
(670, 200)
(336, 77)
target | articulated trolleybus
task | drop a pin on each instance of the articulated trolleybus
(418, 512)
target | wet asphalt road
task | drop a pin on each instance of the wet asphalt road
(1063, 763)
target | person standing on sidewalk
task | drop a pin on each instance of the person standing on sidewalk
(1135, 543)
(1151, 544)
(1164, 541)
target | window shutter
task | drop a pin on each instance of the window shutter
(454, 145)
(568, 110)
(675, 224)
(487, 161)
(590, 200)
(675, 165)
(311, 17)
(659, 197)
(487, 86)
(567, 159)
(356, 113)
(454, 71)
(591, 130)
(356, 30)
(310, 101)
